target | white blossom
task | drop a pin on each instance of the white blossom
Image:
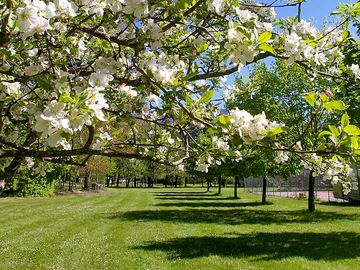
(356, 70)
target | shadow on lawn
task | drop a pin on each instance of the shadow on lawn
(212, 204)
(179, 194)
(190, 196)
(188, 193)
(199, 198)
(230, 216)
(266, 246)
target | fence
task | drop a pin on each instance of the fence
(292, 187)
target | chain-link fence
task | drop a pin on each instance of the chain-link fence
(292, 187)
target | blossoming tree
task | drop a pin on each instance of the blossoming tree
(79, 78)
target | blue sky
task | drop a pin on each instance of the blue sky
(315, 11)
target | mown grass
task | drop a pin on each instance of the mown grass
(175, 229)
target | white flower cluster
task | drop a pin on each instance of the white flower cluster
(305, 29)
(216, 6)
(163, 69)
(100, 79)
(34, 17)
(229, 92)
(203, 163)
(220, 144)
(96, 102)
(356, 70)
(251, 128)
(335, 170)
(138, 8)
(297, 49)
(281, 157)
(243, 34)
(52, 123)
(325, 49)
(240, 46)
(128, 91)
(12, 88)
(58, 118)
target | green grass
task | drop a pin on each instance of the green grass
(175, 229)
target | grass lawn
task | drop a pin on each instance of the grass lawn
(175, 229)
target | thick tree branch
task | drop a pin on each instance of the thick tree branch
(228, 71)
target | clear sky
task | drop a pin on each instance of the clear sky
(315, 11)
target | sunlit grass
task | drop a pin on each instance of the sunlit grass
(175, 229)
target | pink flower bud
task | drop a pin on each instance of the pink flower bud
(328, 93)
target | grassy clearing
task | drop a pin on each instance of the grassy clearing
(175, 229)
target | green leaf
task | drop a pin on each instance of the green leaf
(334, 130)
(203, 47)
(324, 97)
(267, 47)
(335, 105)
(345, 34)
(352, 130)
(355, 142)
(183, 4)
(321, 147)
(207, 97)
(224, 120)
(275, 131)
(264, 37)
(44, 84)
(212, 131)
(324, 133)
(188, 100)
(310, 98)
(344, 120)
(66, 99)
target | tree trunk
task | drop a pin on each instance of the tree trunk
(87, 181)
(118, 180)
(176, 181)
(236, 184)
(311, 199)
(185, 183)
(107, 180)
(263, 201)
(208, 185)
(219, 184)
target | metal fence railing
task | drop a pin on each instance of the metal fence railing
(292, 187)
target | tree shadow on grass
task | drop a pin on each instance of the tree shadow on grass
(230, 216)
(342, 204)
(202, 198)
(212, 204)
(265, 246)
(189, 193)
(193, 196)
(178, 194)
